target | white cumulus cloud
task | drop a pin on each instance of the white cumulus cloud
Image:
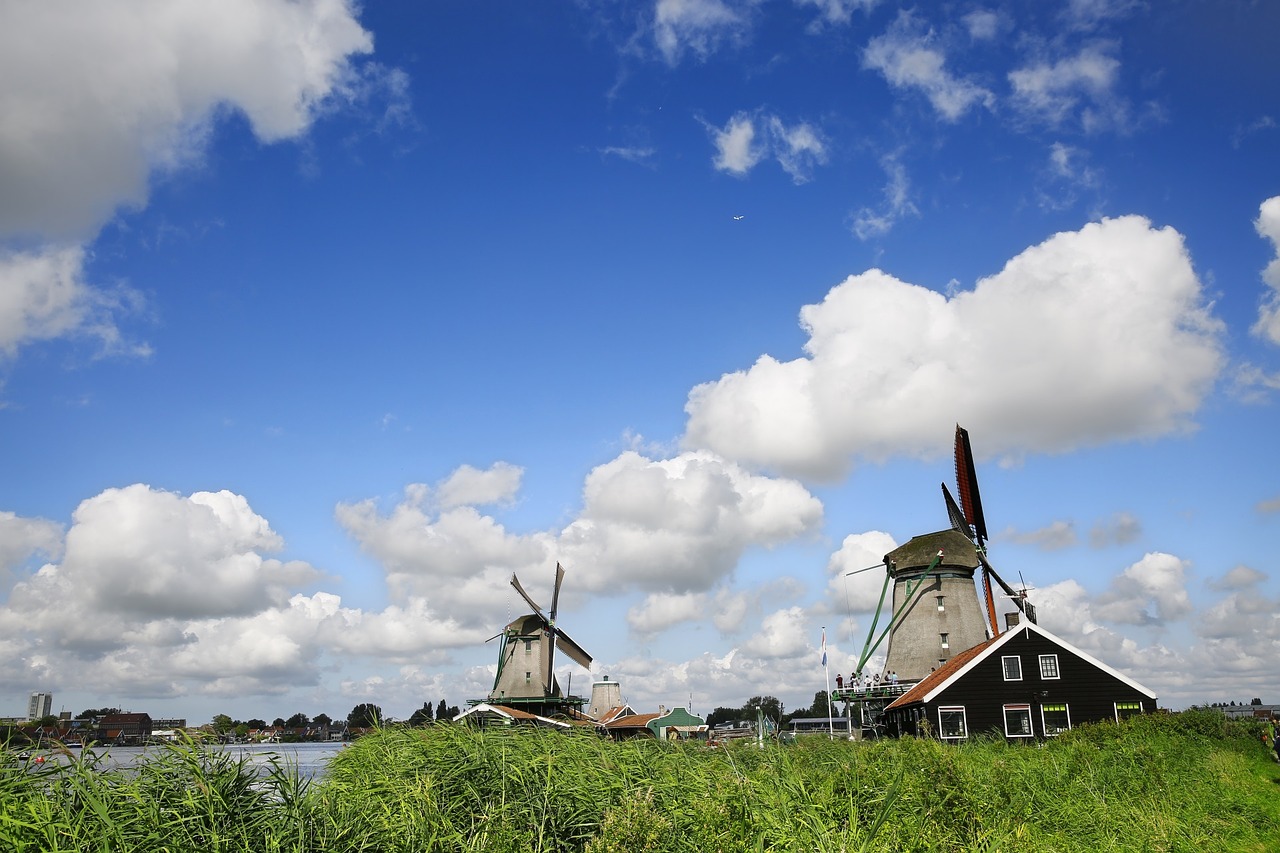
(1096, 335)
(100, 97)
(1268, 225)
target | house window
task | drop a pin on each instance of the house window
(528, 678)
(1012, 667)
(951, 724)
(528, 647)
(942, 603)
(1017, 720)
(945, 644)
(1127, 709)
(1056, 718)
(1049, 666)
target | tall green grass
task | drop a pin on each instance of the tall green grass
(1158, 783)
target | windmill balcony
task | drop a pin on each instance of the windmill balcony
(878, 691)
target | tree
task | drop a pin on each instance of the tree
(323, 720)
(223, 724)
(724, 715)
(364, 716)
(771, 706)
(278, 722)
(422, 716)
(256, 724)
(442, 711)
(819, 708)
(297, 721)
(90, 713)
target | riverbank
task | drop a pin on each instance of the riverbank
(1189, 782)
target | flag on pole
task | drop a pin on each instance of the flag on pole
(824, 646)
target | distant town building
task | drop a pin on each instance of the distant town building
(125, 728)
(39, 706)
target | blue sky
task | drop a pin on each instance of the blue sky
(317, 321)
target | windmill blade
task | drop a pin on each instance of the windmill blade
(515, 581)
(955, 513)
(1018, 599)
(967, 481)
(572, 649)
(555, 595)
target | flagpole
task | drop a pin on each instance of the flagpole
(827, 672)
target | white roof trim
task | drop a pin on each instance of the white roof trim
(1031, 626)
(485, 707)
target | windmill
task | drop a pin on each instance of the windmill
(935, 611)
(967, 518)
(526, 658)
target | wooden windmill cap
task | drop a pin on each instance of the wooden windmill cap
(915, 556)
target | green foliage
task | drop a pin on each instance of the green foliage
(1185, 782)
(364, 716)
(422, 716)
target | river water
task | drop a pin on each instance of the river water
(309, 760)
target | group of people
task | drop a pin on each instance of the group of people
(860, 682)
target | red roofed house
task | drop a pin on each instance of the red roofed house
(125, 728)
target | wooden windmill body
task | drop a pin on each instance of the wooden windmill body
(526, 658)
(936, 610)
(937, 603)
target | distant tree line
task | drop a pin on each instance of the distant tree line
(773, 710)
(366, 715)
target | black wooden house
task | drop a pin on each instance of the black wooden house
(1023, 684)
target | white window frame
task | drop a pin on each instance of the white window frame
(964, 722)
(942, 603)
(1031, 726)
(1004, 666)
(1116, 706)
(1057, 670)
(1066, 709)
(945, 636)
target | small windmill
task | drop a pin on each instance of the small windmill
(967, 518)
(526, 657)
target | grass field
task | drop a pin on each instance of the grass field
(1189, 781)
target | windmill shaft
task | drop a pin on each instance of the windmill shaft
(1018, 599)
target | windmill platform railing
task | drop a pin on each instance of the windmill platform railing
(891, 690)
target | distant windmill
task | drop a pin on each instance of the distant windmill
(526, 658)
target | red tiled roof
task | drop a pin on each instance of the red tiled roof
(631, 721)
(934, 679)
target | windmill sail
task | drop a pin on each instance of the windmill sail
(958, 521)
(967, 481)
(552, 635)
